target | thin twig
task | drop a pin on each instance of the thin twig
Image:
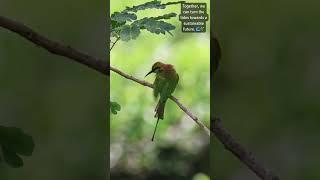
(172, 3)
(118, 38)
(135, 8)
(102, 66)
(239, 151)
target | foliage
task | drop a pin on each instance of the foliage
(114, 107)
(42, 96)
(178, 141)
(126, 26)
(15, 142)
(124, 31)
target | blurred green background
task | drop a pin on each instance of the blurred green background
(267, 88)
(60, 103)
(181, 148)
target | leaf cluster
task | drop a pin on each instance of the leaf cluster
(14, 142)
(114, 107)
(126, 26)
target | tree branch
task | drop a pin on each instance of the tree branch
(239, 151)
(173, 3)
(118, 38)
(174, 99)
(103, 67)
(53, 46)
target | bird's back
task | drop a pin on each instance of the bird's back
(168, 71)
(166, 81)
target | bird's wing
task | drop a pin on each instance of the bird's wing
(158, 85)
(173, 82)
(165, 91)
(169, 86)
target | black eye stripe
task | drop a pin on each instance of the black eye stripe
(156, 68)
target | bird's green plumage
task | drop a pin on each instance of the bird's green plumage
(164, 85)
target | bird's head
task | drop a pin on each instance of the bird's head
(156, 67)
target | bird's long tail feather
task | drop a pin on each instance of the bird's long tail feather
(159, 114)
(154, 132)
(160, 110)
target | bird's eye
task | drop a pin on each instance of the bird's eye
(156, 69)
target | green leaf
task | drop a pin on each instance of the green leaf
(122, 17)
(14, 142)
(155, 26)
(11, 157)
(148, 5)
(129, 32)
(23, 145)
(18, 141)
(116, 24)
(165, 16)
(114, 107)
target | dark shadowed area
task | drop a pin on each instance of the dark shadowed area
(267, 86)
(59, 103)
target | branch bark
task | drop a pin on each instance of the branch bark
(54, 46)
(174, 99)
(103, 67)
(239, 151)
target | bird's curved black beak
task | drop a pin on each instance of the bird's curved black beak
(149, 73)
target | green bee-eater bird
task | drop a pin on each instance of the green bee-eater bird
(165, 83)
